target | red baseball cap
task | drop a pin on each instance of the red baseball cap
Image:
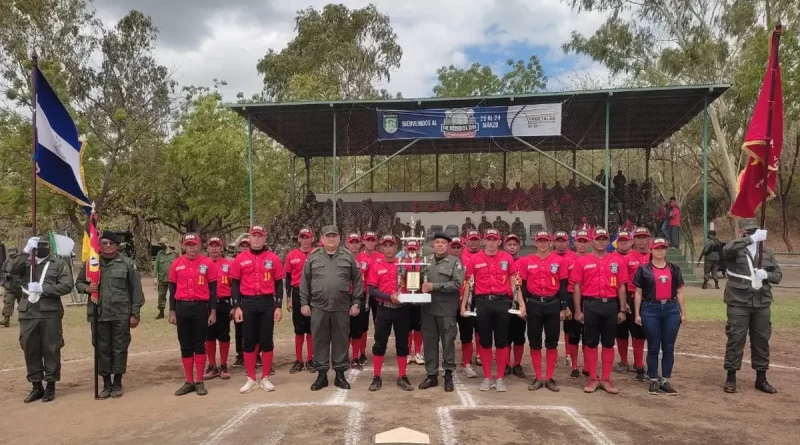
(191, 238)
(658, 242)
(624, 235)
(388, 239)
(473, 234)
(512, 237)
(258, 230)
(412, 245)
(641, 231)
(370, 235)
(600, 233)
(542, 235)
(582, 235)
(305, 232)
(244, 240)
(215, 240)
(491, 234)
(456, 241)
(561, 235)
(353, 237)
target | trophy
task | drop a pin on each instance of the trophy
(412, 279)
(470, 312)
(515, 302)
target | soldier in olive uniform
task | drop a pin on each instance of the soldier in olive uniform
(748, 295)
(445, 277)
(11, 284)
(161, 265)
(329, 274)
(40, 315)
(121, 298)
(711, 264)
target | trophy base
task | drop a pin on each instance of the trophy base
(470, 314)
(414, 298)
(514, 311)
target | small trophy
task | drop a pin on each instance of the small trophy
(514, 302)
(470, 312)
(413, 279)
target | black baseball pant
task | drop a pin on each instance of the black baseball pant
(516, 330)
(492, 320)
(629, 326)
(221, 330)
(258, 322)
(237, 327)
(466, 328)
(415, 317)
(389, 318)
(302, 324)
(573, 329)
(600, 321)
(192, 321)
(544, 313)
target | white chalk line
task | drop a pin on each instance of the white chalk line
(448, 433)
(463, 395)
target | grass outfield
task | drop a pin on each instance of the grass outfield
(710, 307)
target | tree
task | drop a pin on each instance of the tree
(338, 53)
(480, 80)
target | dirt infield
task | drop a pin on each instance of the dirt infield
(149, 413)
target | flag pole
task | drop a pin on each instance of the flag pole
(768, 156)
(34, 72)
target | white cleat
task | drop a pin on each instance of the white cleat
(409, 359)
(266, 385)
(568, 361)
(468, 372)
(419, 359)
(500, 385)
(486, 385)
(249, 386)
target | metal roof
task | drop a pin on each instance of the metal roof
(639, 118)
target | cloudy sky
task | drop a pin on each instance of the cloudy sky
(206, 39)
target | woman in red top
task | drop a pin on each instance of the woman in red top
(660, 310)
(192, 308)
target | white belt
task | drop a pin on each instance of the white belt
(754, 283)
(33, 297)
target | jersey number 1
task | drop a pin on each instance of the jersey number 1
(613, 281)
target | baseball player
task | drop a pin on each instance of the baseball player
(516, 325)
(600, 303)
(244, 244)
(634, 259)
(455, 247)
(192, 308)
(365, 258)
(493, 270)
(466, 325)
(415, 311)
(573, 330)
(220, 331)
(356, 322)
(295, 260)
(257, 294)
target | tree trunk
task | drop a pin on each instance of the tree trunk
(141, 242)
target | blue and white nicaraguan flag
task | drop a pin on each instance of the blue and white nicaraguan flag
(58, 148)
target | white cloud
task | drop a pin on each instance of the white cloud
(431, 33)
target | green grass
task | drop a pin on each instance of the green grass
(710, 307)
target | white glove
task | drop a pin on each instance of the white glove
(34, 286)
(760, 274)
(760, 235)
(32, 244)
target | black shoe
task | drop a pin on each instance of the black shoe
(6, 322)
(239, 362)
(429, 382)
(116, 390)
(297, 367)
(705, 285)
(536, 384)
(517, 371)
(160, 314)
(376, 384)
(730, 385)
(321, 382)
(666, 388)
(106, 391)
(575, 374)
(448, 381)
(764, 386)
(585, 373)
(404, 384)
(185, 389)
(641, 375)
(552, 385)
(654, 389)
(508, 371)
(310, 367)
(362, 360)
(716, 284)
(340, 381)
(354, 364)
(36, 393)
(200, 389)
(49, 392)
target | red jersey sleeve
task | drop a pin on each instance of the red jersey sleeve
(288, 264)
(213, 270)
(172, 276)
(576, 275)
(280, 272)
(235, 272)
(513, 268)
(469, 270)
(563, 268)
(522, 268)
(372, 275)
(622, 275)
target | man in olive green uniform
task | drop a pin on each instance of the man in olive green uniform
(11, 286)
(161, 265)
(748, 295)
(445, 276)
(121, 298)
(711, 264)
(331, 291)
(40, 315)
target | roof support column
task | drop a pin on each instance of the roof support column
(293, 179)
(335, 184)
(250, 161)
(505, 178)
(608, 154)
(371, 174)
(308, 174)
(705, 169)
(436, 178)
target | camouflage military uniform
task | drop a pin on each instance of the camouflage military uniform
(11, 287)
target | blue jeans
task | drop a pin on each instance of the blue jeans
(660, 323)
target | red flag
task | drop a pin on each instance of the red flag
(766, 126)
(91, 254)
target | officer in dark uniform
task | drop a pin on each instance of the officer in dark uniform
(11, 284)
(121, 298)
(748, 296)
(711, 254)
(329, 274)
(40, 315)
(445, 278)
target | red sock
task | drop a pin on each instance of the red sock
(572, 350)
(486, 361)
(199, 365)
(502, 356)
(638, 352)
(466, 353)
(417, 342)
(298, 347)
(551, 356)
(590, 361)
(377, 364)
(608, 362)
(402, 364)
(622, 350)
(536, 360)
(250, 364)
(224, 347)
(356, 344)
(211, 352)
(518, 351)
(363, 344)
(188, 371)
(266, 363)
(310, 347)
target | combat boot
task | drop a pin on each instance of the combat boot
(160, 314)
(49, 392)
(116, 388)
(730, 383)
(321, 382)
(36, 393)
(448, 381)
(6, 321)
(716, 284)
(762, 384)
(106, 392)
(705, 284)
(341, 381)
